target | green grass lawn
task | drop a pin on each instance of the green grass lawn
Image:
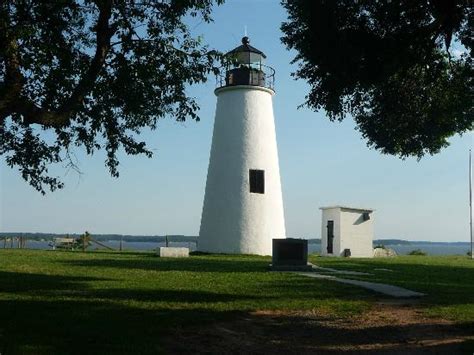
(63, 302)
(99, 302)
(448, 281)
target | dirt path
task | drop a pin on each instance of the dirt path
(388, 328)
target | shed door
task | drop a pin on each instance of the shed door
(330, 228)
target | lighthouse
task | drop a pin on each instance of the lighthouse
(243, 205)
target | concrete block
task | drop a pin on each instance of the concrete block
(169, 252)
(384, 252)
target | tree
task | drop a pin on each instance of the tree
(93, 74)
(389, 65)
(83, 241)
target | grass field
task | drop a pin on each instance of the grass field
(448, 281)
(98, 302)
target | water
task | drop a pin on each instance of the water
(115, 244)
(430, 249)
(433, 249)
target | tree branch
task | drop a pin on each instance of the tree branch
(104, 33)
(11, 88)
(11, 100)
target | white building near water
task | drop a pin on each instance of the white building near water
(348, 228)
(243, 206)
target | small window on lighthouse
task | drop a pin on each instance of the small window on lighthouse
(257, 181)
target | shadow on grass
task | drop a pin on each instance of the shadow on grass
(286, 334)
(65, 327)
(71, 327)
(165, 296)
(41, 286)
(16, 282)
(57, 314)
(82, 288)
(194, 264)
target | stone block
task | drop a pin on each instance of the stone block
(169, 252)
(384, 252)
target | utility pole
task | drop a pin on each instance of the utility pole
(470, 202)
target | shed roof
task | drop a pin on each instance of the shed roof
(348, 208)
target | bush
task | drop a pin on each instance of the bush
(417, 252)
(381, 246)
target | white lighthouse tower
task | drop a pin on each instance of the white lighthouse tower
(243, 206)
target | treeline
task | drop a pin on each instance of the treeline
(392, 242)
(180, 238)
(408, 242)
(376, 241)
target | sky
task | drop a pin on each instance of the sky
(321, 163)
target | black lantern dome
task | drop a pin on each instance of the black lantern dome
(246, 54)
(244, 66)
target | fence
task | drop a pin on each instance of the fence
(117, 243)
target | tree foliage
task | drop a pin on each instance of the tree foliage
(389, 65)
(93, 74)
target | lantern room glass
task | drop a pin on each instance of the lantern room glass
(246, 58)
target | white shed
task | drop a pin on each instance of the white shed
(349, 228)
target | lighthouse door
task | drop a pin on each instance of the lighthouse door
(330, 235)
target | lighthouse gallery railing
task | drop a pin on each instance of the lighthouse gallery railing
(246, 74)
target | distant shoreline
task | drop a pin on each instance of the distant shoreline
(184, 238)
